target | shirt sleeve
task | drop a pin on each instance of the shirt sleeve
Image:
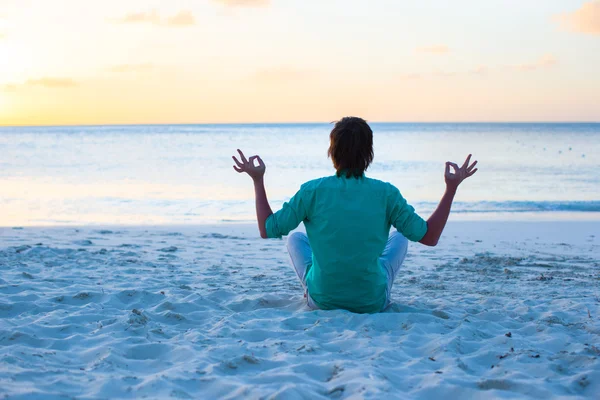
(288, 218)
(404, 218)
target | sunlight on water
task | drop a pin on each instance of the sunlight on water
(183, 174)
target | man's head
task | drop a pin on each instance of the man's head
(351, 146)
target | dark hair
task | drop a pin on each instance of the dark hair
(351, 146)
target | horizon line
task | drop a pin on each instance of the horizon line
(294, 123)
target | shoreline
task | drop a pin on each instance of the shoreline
(511, 217)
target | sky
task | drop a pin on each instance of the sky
(67, 62)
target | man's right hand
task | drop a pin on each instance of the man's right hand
(453, 179)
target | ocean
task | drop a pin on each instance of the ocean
(182, 174)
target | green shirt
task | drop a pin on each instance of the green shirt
(347, 221)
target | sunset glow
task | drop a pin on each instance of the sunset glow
(218, 61)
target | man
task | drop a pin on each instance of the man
(348, 261)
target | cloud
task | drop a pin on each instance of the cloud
(282, 74)
(244, 3)
(444, 74)
(52, 82)
(8, 87)
(584, 20)
(410, 76)
(131, 68)
(181, 19)
(436, 49)
(151, 17)
(545, 61)
(480, 70)
(46, 82)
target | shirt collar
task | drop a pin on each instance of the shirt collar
(342, 174)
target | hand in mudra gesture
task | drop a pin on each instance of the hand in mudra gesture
(247, 166)
(453, 179)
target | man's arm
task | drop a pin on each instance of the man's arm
(263, 209)
(270, 225)
(437, 220)
(257, 173)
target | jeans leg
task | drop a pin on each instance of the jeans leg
(301, 254)
(392, 258)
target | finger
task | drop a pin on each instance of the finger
(471, 166)
(448, 167)
(242, 156)
(239, 164)
(238, 169)
(260, 161)
(251, 160)
(466, 163)
(471, 173)
(455, 166)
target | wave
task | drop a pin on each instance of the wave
(520, 206)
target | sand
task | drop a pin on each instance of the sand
(497, 310)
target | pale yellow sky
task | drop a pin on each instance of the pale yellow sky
(213, 61)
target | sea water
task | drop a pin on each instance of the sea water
(182, 174)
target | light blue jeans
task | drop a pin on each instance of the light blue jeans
(391, 259)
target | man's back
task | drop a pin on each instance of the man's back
(344, 261)
(347, 222)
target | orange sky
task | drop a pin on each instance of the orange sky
(193, 61)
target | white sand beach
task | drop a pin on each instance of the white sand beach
(497, 310)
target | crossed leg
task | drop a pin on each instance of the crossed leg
(391, 259)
